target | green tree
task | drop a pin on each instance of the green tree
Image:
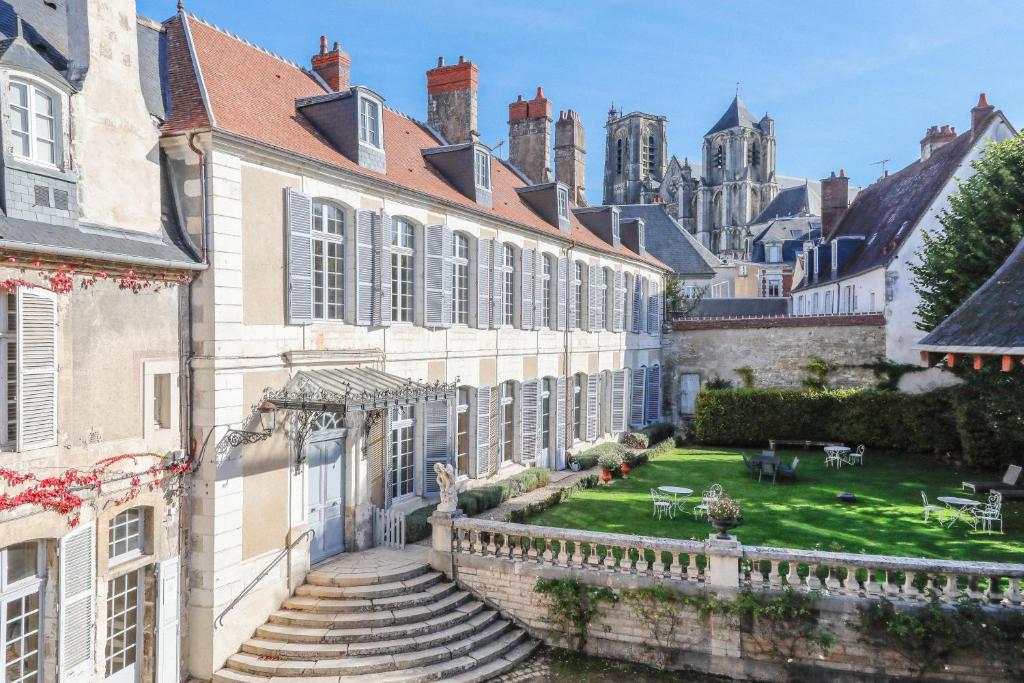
(982, 224)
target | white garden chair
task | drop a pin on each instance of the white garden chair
(857, 456)
(713, 493)
(662, 505)
(929, 509)
(984, 515)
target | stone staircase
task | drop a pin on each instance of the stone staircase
(381, 617)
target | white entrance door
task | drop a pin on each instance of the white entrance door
(689, 385)
(326, 465)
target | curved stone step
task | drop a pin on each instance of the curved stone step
(370, 619)
(490, 641)
(496, 667)
(324, 576)
(304, 634)
(334, 650)
(371, 591)
(309, 603)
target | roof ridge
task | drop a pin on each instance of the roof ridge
(251, 44)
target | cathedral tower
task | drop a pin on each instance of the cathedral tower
(636, 154)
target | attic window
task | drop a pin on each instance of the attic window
(563, 203)
(482, 169)
(369, 122)
(35, 122)
(774, 253)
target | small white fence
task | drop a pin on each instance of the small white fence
(388, 528)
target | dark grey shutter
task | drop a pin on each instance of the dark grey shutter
(560, 415)
(433, 276)
(593, 297)
(436, 446)
(526, 304)
(652, 412)
(593, 382)
(498, 285)
(367, 298)
(483, 430)
(619, 301)
(496, 434)
(564, 295)
(652, 309)
(386, 448)
(538, 292)
(299, 208)
(637, 304)
(484, 271)
(447, 274)
(618, 401)
(382, 237)
(636, 397)
(529, 395)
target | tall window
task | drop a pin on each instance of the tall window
(545, 292)
(720, 157)
(21, 581)
(508, 306)
(577, 407)
(328, 262)
(482, 169)
(460, 280)
(402, 241)
(124, 625)
(579, 295)
(755, 155)
(773, 285)
(545, 416)
(462, 432)
(9, 360)
(35, 124)
(828, 301)
(400, 461)
(369, 122)
(563, 203)
(650, 155)
(618, 157)
(506, 444)
(126, 535)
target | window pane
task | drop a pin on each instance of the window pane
(125, 533)
(22, 561)
(123, 600)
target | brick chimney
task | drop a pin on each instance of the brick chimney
(935, 137)
(529, 137)
(979, 114)
(570, 150)
(835, 198)
(452, 101)
(332, 66)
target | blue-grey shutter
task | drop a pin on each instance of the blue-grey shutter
(652, 309)
(433, 276)
(367, 298)
(538, 292)
(498, 284)
(636, 397)
(637, 304)
(448, 273)
(484, 255)
(483, 430)
(527, 263)
(299, 207)
(644, 306)
(592, 405)
(436, 446)
(529, 395)
(619, 301)
(560, 416)
(495, 428)
(652, 412)
(382, 237)
(618, 401)
(563, 294)
(593, 299)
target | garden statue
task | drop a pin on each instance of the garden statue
(446, 484)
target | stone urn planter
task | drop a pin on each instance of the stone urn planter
(724, 514)
(724, 526)
(606, 475)
(625, 469)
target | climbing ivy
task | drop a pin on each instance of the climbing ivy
(572, 606)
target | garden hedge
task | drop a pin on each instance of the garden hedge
(649, 435)
(885, 420)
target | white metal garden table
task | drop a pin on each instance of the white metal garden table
(960, 505)
(837, 455)
(676, 492)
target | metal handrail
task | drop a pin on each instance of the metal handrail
(218, 622)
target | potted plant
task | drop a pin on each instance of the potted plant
(609, 463)
(724, 513)
(574, 464)
(627, 465)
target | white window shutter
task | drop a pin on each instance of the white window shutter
(77, 605)
(637, 304)
(484, 271)
(636, 397)
(560, 415)
(538, 292)
(653, 409)
(492, 462)
(618, 401)
(483, 430)
(448, 267)
(168, 637)
(299, 208)
(388, 474)
(592, 299)
(593, 382)
(37, 368)
(529, 395)
(366, 253)
(433, 276)
(498, 284)
(619, 301)
(435, 443)
(526, 305)
(382, 240)
(644, 308)
(565, 295)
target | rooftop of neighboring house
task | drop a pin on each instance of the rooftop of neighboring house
(245, 91)
(790, 233)
(670, 242)
(739, 307)
(989, 322)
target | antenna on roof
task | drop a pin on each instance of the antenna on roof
(882, 163)
(497, 146)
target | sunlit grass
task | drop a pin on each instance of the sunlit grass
(886, 520)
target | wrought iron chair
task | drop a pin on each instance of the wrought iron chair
(713, 493)
(857, 456)
(929, 509)
(662, 505)
(984, 515)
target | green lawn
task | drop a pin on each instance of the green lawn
(886, 520)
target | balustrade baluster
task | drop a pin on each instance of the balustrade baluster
(478, 547)
(517, 548)
(756, 577)
(609, 558)
(467, 543)
(548, 553)
(675, 569)
(851, 586)
(892, 589)
(626, 561)
(832, 580)
(593, 558)
(563, 553)
(952, 591)
(1013, 595)
(577, 554)
(813, 582)
(692, 570)
(492, 548)
(641, 561)
(774, 578)
(994, 592)
(973, 592)
(793, 575)
(871, 586)
(505, 550)
(910, 591)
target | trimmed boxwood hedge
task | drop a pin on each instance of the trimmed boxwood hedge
(885, 420)
(649, 435)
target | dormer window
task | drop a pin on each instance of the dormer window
(369, 122)
(774, 253)
(482, 169)
(563, 203)
(35, 122)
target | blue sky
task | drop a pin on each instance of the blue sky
(848, 83)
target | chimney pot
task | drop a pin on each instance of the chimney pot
(323, 45)
(540, 93)
(333, 67)
(462, 60)
(570, 155)
(980, 114)
(835, 198)
(452, 100)
(529, 137)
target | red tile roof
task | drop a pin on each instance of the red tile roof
(252, 94)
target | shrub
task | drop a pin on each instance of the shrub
(634, 458)
(659, 431)
(888, 420)
(610, 461)
(589, 458)
(717, 382)
(635, 440)
(662, 447)
(416, 525)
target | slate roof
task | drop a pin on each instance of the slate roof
(669, 241)
(737, 115)
(991, 320)
(252, 94)
(791, 232)
(792, 201)
(44, 26)
(739, 307)
(152, 66)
